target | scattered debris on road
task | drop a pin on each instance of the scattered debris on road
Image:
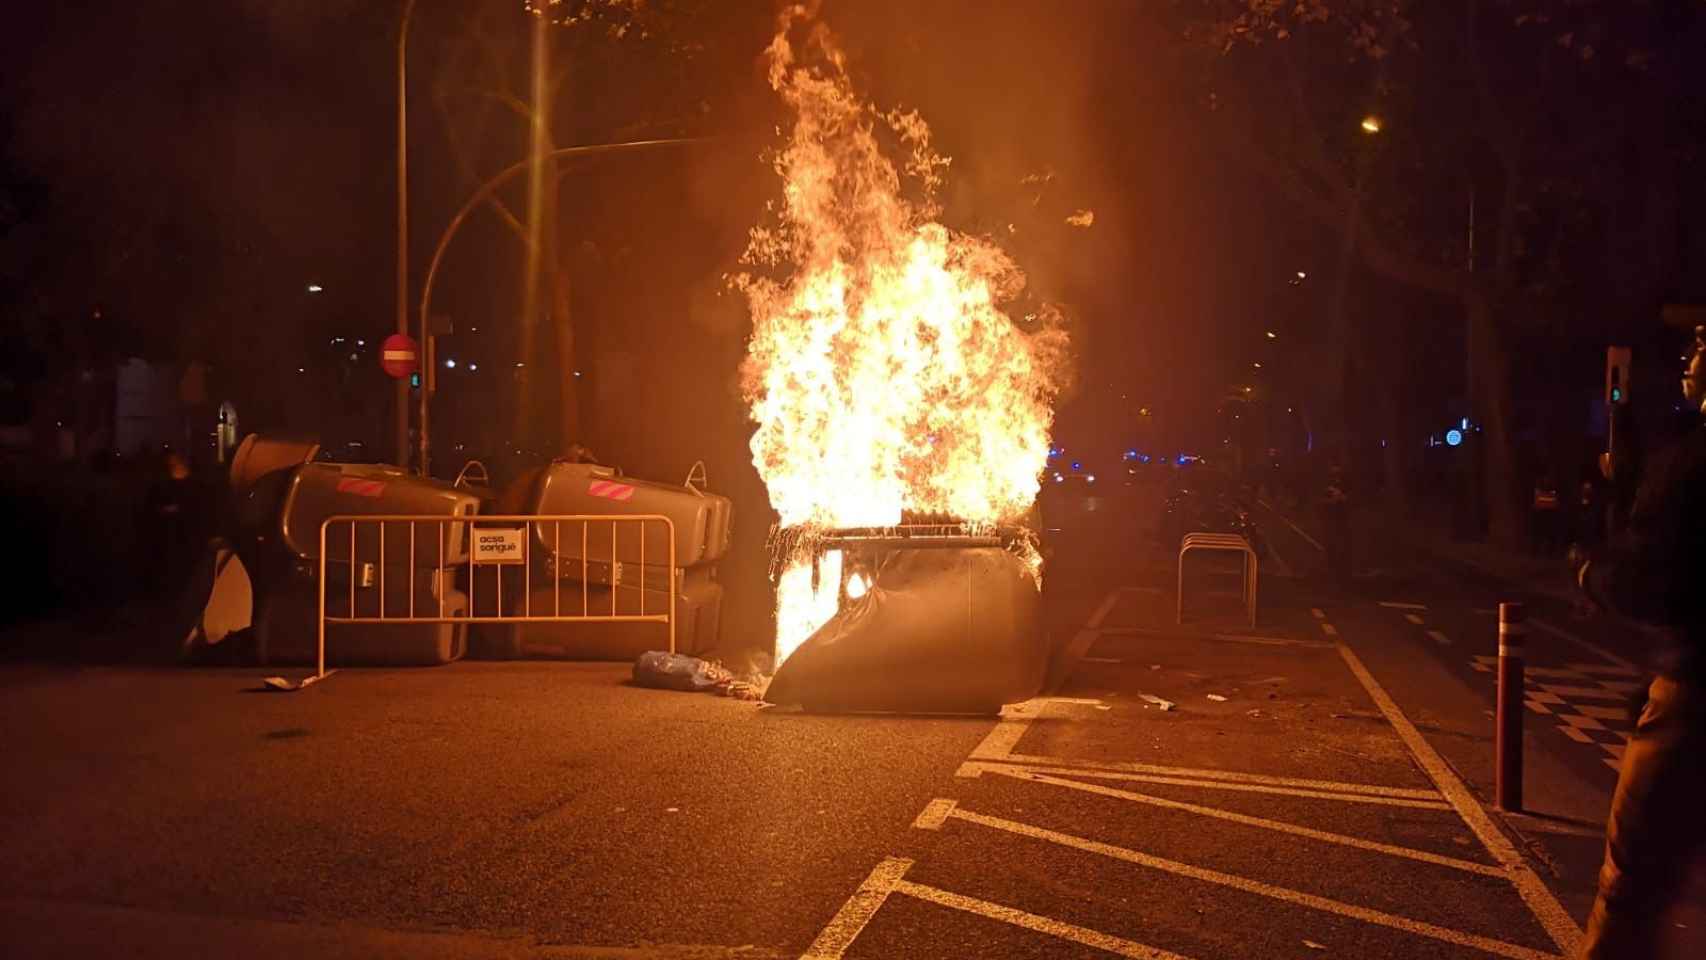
(1217, 698)
(1157, 701)
(282, 685)
(676, 671)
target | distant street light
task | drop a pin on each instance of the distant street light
(1302, 275)
(1257, 365)
(315, 288)
(1371, 124)
(1272, 335)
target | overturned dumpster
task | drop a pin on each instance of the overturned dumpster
(582, 570)
(373, 568)
(931, 619)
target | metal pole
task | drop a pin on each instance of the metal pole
(1507, 784)
(401, 424)
(429, 383)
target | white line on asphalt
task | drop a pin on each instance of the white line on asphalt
(1015, 720)
(935, 814)
(1329, 630)
(1235, 776)
(975, 769)
(1395, 605)
(1271, 641)
(1318, 613)
(847, 923)
(1262, 822)
(1030, 921)
(1439, 638)
(1287, 521)
(1106, 608)
(1413, 619)
(1595, 648)
(1541, 902)
(1284, 894)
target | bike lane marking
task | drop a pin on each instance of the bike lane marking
(1546, 909)
(1257, 887)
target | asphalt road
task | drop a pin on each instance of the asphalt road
(1312, 790)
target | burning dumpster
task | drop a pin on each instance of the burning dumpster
(380, 567)
(898, 372)
(930, 619)
(594, 568)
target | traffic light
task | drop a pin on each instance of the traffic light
(415, 380)
(1616, 375)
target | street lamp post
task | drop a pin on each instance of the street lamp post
(402, 406)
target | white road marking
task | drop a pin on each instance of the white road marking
(1594, 648)
(1234, 776)
(935, 814)
(1107, 607)
(1413, 619)
(1262, 822)
(1545, 907)
(1395, 605)
(850, 920)
(973, 769)
(1284, 894)
(1270, 641)
(1030, 921)
(1439, 638)
(1015, 720)
(1295, 528)
(1329, 630)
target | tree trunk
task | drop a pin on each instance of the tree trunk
(1492, 401)
(568, 391)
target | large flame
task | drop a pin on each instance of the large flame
(883, 372)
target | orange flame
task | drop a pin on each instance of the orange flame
(884, 374)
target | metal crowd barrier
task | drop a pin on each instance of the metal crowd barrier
(498, 541)
(1225, 542)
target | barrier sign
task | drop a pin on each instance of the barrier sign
(499, 544)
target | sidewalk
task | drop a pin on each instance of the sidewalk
(1543, 576)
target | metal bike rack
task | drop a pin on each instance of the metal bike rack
(1229, 542)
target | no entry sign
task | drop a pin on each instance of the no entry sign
(399, 355)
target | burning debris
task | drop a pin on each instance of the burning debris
(887, 379)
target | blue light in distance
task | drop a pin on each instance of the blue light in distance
(1453, 437)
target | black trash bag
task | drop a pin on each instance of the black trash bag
(677, 671)
(940, 631)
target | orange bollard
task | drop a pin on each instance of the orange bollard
(1507, 783)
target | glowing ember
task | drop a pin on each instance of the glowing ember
(883, 373)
